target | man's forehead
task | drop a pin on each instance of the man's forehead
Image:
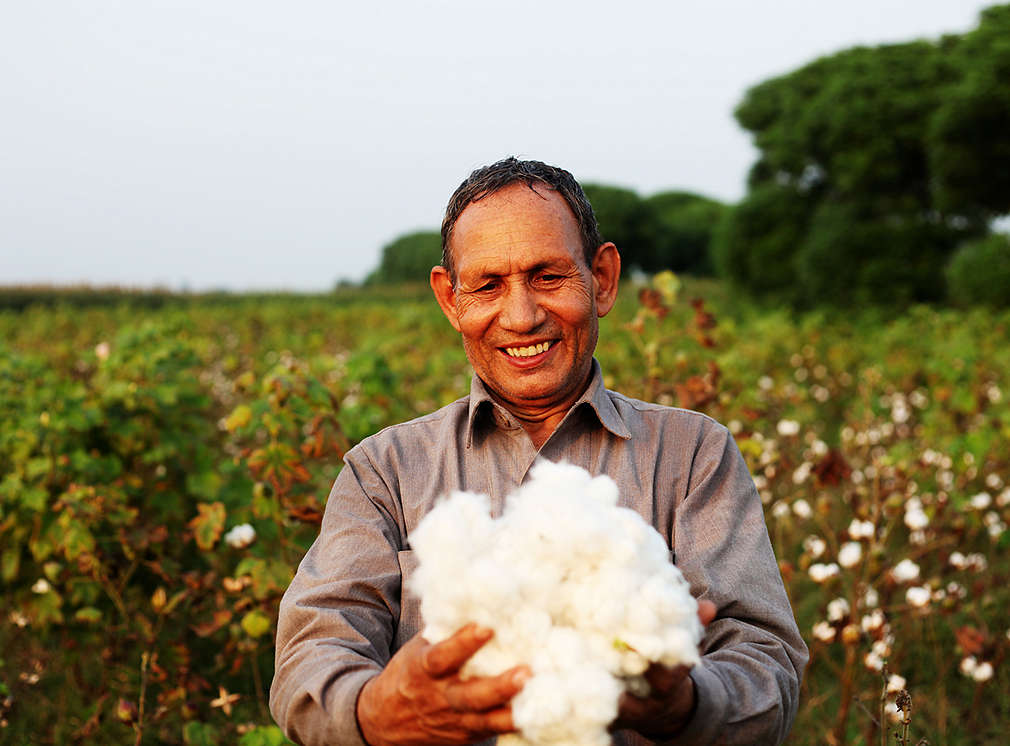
(517, 200)
(516, 216)
(477, 263)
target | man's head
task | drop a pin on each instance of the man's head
(537, 176)
(525, 294)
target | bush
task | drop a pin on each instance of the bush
(132, 440)
(628, 221)
(754, 245)
(979, 273)
(409, 258)
(686, 223)
(851, 259)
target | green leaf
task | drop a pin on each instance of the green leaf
(256, 623)
(88, 614)
(240, 417)
(35, 498)
(52, 570)
(38, 467)
(205, 484)
(10, 562)
(200, 734)
(264, 735)
(77, 539)
(265, 504)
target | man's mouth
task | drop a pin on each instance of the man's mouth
(528, 351)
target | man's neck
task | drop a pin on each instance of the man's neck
(541, 422)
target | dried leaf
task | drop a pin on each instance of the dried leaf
(208, 524)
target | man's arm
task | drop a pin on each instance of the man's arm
(337, 620)
(336, 679)
(747, 684)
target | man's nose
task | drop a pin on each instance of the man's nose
(521, 310)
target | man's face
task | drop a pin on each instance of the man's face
(525, 303)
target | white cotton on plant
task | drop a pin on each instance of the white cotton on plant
(905, 571)
(574, 586)
(850, 553)
(918, 596)
(240, 536)
(821, 572)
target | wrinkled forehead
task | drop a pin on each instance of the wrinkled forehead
(516, 222)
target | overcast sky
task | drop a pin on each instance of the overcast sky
(253, 145)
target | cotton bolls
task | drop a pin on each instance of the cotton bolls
(574, 586)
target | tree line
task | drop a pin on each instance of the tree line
(881, 173)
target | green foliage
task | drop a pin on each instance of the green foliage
(880, 161)
(133, 441)
(755, 244)
(840, 261)
(850, 125)
(968, 147)
(685, 224)
(667, 231)
(408, 258)
(979, 273)
(628, 221)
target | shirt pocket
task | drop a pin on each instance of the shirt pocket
(410, 605)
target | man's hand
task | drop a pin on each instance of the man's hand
(419, 697)
(671, 699)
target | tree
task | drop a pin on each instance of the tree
(685, 223)
(628, 221)
(969, 150)
(853, 258)
(755, 245)
(875, 164)
(979, 273)
(408, 258)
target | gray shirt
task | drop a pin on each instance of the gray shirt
(347, 609)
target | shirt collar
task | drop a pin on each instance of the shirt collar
(596, 397)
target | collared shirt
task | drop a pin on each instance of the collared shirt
(348, 609)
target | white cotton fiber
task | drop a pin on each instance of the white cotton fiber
(579, 589)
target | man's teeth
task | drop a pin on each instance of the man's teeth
(528, 351)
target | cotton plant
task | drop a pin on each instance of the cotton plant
(574, 586)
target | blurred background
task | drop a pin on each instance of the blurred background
(242, 146)
(216, 226)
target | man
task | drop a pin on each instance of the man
(524, 279)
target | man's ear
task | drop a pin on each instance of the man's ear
(606, 271)
(445, 294)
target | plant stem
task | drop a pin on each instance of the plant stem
(846, 694)
(145, 658)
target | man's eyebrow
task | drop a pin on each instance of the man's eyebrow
(532, 269)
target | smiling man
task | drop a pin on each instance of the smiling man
(524, 279)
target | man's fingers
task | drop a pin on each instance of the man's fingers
(491, 722)
(706, 611)
(486, 693)
(449, 655)
(663, 679)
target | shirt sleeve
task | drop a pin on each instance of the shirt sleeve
(753, 656)
(338, 618)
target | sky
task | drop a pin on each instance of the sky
(218, 144)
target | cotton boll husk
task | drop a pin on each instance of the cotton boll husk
(574, 586)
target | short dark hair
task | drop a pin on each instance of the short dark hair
(490, 179)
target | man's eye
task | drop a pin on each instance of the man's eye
(551, 279)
